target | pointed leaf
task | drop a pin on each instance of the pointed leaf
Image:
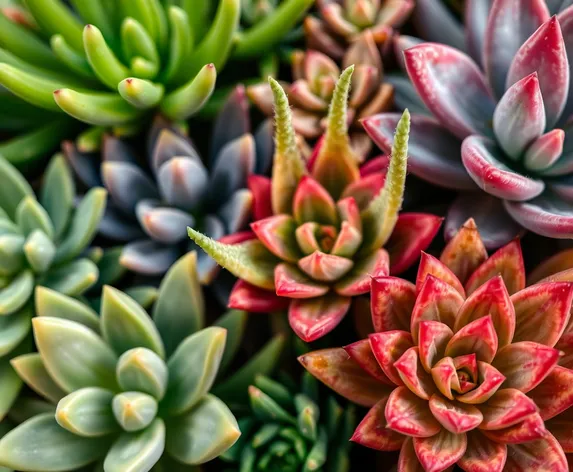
(506, 408)
(413, 375)
(255, 300)
(490, 381)
(477, 337)
(313, 318)
(72, 278)
(277, 233)
(362, 353)
(357, 281)
(430, 266)
(312, 202)
(373, 433)
(31, 369)
(388, 347)
(14, 188)
(433, 337)
(13, 329)
(456, 418)
(553, 395)
(325, 267)
(541, 454)
(391, 303)
(440, 451)
(53, 304)
(530, 429)
(410, 415)
(87, 412)
(142, 370)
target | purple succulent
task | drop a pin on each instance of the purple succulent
(498, 107)
(153, 200)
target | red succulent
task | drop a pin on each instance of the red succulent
(466, 366)
(322, 228)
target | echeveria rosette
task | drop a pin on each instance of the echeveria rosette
(341, 22)
(42, 242)
(153, 200)
(500, 121)
(465, 367)
(291, 430)
(320, 227)
(132, 390)
(315, 76)
(108, 64)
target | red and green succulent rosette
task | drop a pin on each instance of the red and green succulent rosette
(322, 228)
(465, 367)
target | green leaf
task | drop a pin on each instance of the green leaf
(135, 41)
(181, 43)
(31, 369)
(142, 370)
(188, 99)
(13, 189)
(30, 216)
(12, 258)
(308, 413)
(235, 388)
(42, 445)
(187, 440)
(180, 309)
(288, 167)
(94, 12)
(53, 304)
(140, 93)
(17, 293)
(217, 43)
(40, 251)
(193, 368)
(235, 322)
(137, 451)
(58, 191)
(71, 279)
(70, 57)
(87, 412)
(134, 411)
(276, 390)
(74, 355)
(125, 325)
(143, 295)
(84, 225)
(26, 407)
(110, 269)
(317, 456)
(10, 385)
(14, 328)
(249, 260)
(379, 219)
(266, 409)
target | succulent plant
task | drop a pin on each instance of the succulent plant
(464, 367)
(500, 121)
(107, 63)
(315, 76)
(319, 229)
(290, 430)
(341, 22)
(41, 243)
(152, 200)
(132, 390)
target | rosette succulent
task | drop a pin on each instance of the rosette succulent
(153, 200)
(132, 390)
(341, 22)
(42, 240)
(500, 120)
(320, 227)
(464, 367)
(290, 430)
(315, 76)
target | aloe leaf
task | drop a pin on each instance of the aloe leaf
(142, 370)
(188, 99)
(140, 93)
(234, 389)
(84, 225)
(180, 308)
(74, 355)
(10, 385)
(137, 451)
(16, 293)
(13, 329)
(187, 441)
(87, 412)
(57, 194)
(125, 325)
(13, 189)
(31, 216)
(56, 305)
(31, 370)
(72, 278)
(54, 447)
(193, 368)
(235, 322)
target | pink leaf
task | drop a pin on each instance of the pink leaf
(357, 281)
(373, 433)
(325, 267)
(541, 455)
(506, 408)
(429, 265)
(311, 319)
(361, 352)
(456, 417)
(483, 454)
(413, 375)
(530, 429)
(391, 303)
(433, 339)
(277, 233)
(490, 381)
(260, 188)
(388, 347)
(256, 300)
(292, 283)
(440, 451)
(477, 337)
(410, 415)
(554, 395)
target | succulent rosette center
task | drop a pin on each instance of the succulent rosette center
(464, 366)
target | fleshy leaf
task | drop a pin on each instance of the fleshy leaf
(362, 353)
(142, 370)
(31, 369)
(391, 303)
(455, 417)
(506, 408)
(440, 451)
(535, 455)
(410, 415)
(413, 375)
(553, 395)
(313, 318)
(491, 380)
(433, 338)
(313, 203)
(292, 283)
(277, 233)
(477, 337)
(429, 265)
(373, 433)
(388, 347)
(247, 297)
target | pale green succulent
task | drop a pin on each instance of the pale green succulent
(132, 391)
(42, 239)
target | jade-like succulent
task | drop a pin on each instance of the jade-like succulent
(321, 228)
(153, 199)
(289, 429)
(132, 390)
(315, 76)
(467, 367)
(341, 22)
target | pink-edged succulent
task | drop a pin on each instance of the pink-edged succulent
(465, 366)
(322, 228)
(342, 22)
(315, 75)
(500, 119)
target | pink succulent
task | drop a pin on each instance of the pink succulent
(322, 228)
(501, 106)
(466, 366)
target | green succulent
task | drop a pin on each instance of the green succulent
(42, 240)
(288, 430)
(131, 391)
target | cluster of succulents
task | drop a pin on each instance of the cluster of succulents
(171, 171)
